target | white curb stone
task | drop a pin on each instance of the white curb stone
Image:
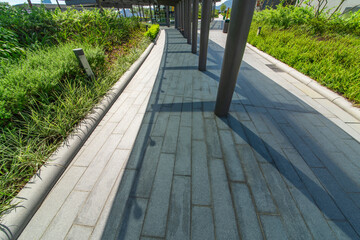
(337, 99)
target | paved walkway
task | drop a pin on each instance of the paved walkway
(278, 167)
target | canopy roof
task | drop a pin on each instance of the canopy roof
(120, 3)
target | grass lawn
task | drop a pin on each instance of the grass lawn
(322, 49)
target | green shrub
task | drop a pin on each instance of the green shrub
(40, 27)
(153, 31)
(33, 29)
(9, 45)
(103, 28)
(288, 16)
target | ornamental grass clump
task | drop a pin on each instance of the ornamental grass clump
(44, 93)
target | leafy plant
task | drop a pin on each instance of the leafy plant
(153, 31)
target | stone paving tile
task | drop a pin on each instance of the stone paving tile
(202, 225)
(200, 178)
(285, 203)
(183, 152)
(312, 215)
(273, 227)
(52, 204)
(324, 202)
(350, 211)
(110, 220)
(224, 215)
(180, 207)
(142, 187)
(94, 204)
(59, 228)
(255, 179)
(89, 178)
(86, 157)
(245, 211)
(133, 218)
(157, 209)
(343, 230)
(78, 232)
(231, 158)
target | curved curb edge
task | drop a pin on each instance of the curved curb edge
(333, 97)
(30, 198)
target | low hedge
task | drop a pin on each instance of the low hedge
(153, 31)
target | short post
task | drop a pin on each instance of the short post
(258, 31)
(79, 53)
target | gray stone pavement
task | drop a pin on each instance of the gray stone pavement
(284, 164)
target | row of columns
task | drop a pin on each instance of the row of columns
(241, 16)
(187, 23)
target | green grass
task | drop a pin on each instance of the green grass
(48, 118)
(44, 93)
(321, 49)
(153, 31)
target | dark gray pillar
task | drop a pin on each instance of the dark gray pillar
(151, 13)
(167, 15)
(194, 25)
(124, 12)
(176, 15)
(139, 13)
(241, 16)
(182, 14)
(142, 10)
(213, 11)
(204, 33)
(186, 18)
(188, 22)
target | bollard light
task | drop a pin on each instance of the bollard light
(79, 53)
(258, 31)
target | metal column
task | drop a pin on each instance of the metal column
(167, 15)
(151, 13)
(124, 12)
(194, 25)
(204, 33)
(188, 22)
(186, 18)
(176, 16)
(241, 16)
(182, 14)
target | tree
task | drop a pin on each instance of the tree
(222, 8)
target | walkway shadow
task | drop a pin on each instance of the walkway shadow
(265, 117)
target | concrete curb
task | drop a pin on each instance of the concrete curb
(35, 191)
(337, 99)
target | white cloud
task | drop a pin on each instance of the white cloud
(219, 3)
